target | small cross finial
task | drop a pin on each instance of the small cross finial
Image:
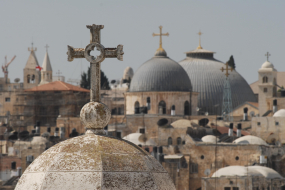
(200, 33)
(160, 36)
(267, 55)
(32, 48)
(227, 69)
(46, 47)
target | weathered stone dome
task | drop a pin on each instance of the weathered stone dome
(160, 73)
(95, 162)
(207, 78)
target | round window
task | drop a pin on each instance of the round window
(237, 158)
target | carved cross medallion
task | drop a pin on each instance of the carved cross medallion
(95, 61)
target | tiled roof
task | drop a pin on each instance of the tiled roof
(57, 86)
(255, 104)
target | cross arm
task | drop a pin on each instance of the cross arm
(115, 52)
(74, 53)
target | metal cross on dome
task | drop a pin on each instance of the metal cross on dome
(227, 69)
(267, 55)
(160, 36)
(95, 61)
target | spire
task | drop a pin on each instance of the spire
(32, 62)
(200, 33)
(46, 63)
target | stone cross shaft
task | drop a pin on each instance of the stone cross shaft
(160, 36)
(95, 42)
(227, 69)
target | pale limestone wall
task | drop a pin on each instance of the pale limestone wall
(171, 98)
(243, 183)
(268, 127)
(31, 72)
(262, 96)
(226, 154)
(239, 111)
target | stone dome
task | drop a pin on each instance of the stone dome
(267, 65)
(95, 162)
(160, 73)
(259, 171)
(279, 113)
(249, 139)
(128, 73)
(135, 138)
(207, 78)
(209, 139)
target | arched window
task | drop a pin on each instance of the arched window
(33, 78)
(13, 165)
(162, 107)
(169, 142)
(265, 79)
(148, 103)
(137, 107)
(47, 76)
(179, 140)
(186, 108)
(28, 78)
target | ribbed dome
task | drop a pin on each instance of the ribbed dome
(95, 162)
(207, 79)
(160, 73)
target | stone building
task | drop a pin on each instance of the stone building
(244, 178)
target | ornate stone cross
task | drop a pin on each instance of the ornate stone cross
(227, 69)
(160, 35)
(267, 55)
(95, 61)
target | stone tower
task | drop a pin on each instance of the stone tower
(266, 84)
(31, 74)
(46, 72)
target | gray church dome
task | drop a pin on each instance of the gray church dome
(160, 73)
(207, 78)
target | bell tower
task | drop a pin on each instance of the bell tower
(31, 74)
(46, 70)
(267, 75)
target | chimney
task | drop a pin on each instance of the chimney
(239, 130)
(245, 117)
(173, 110)
(62, 132)
(38, 130)
(230, 134)
(56, 132)
(148, 103)
(275, 106)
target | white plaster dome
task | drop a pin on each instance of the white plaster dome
(128, 73)
(279, 113)
(95, 162)
(136, 139)
(207, 78)
(209, 139)
(267, 65)
(259, 171)
(249, 139)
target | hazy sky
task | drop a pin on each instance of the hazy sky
(244, 29)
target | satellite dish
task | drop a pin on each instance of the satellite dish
(17, 80)
(207, 113)
(272, 138)
(207, 172)
(197, 109)
(252, 114)
(143, 138)
(162, 122)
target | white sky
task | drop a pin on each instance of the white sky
(244, 29)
